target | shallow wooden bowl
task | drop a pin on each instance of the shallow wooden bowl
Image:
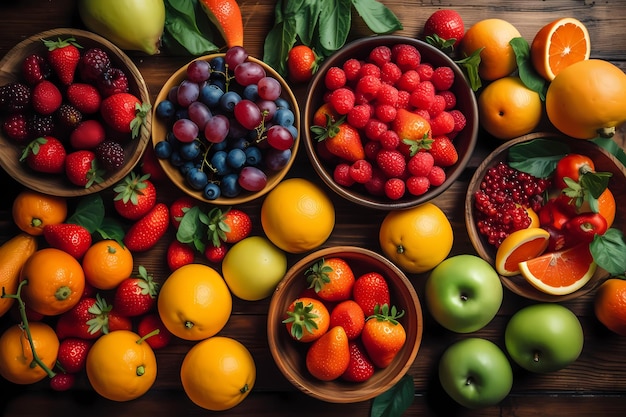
(289, 355)
(57, 184)
(603, 160)
(465, 141)
(160, 130)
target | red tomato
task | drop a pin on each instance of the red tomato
(572, 166)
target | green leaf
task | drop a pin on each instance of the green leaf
(470, 65)
(192, 228)
(181, 24)
(335, 21)
(612, 147)
(537, 157)
(89, 213)
(306, 18)
(609, 251)
(278, 42)
(395, 401)
(531, 79)
(111, 229)
(379, 18)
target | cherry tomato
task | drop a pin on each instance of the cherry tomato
(572, 166)
(583, 228)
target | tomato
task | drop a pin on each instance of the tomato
(572, 166)
(584, 227)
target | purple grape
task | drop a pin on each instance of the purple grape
(187, 93)
(198, 71)
(216, 128)
(278, 137)
(199, 113)
(276, 160)
(248, 114)
(185, 130)
(269, 88)
(235, 56)
(252, 179)
(248, 73)
(268, 109)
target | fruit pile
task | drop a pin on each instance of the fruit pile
(71, 111)
(347, 322)
(229, 125)
(388, 122)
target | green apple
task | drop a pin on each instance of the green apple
(544, 337)
(463, 293)
(475, 372)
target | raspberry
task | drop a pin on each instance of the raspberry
(389, 140)
(342, 100)
(14, 97)
(385, 112)
(92, 64)
(425, 71)
(391, 162)
(407, 57)
(459, 120)
(352, 68)
(450, 99)
(390, 73)
(15, 126)
(443, 78)
(394, 188)
(361, 171)
(369, 69)
(368, 86)
(111, 154)
(376, 186)
(380, 55)
(421, 164)
(438, 105)
(442, 124)
(423, 96)
(112, 81)
(436, 176)
(335, 78)
(408, 81)
(359, 115)
(403, 99)
(387, 94)
(35, 68)
(417, 185)
(422, 112)
(371, 148)
(374, 128)
(341, 175)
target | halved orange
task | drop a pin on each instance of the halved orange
(519, 246)
(559, 44)
(561, 272)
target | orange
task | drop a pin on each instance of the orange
(13, 255)
(416, 239)
(33, 210)
(121, 366)
(16, 356)
(508, 109)
(107, 263)
(297, 215)
(561, 272)
(606, 206)
(573, 96)
(226, 15)
(610, 305)
(55, 281)
(497, 58)
(194, 302)
(520, 246)
(558, 45)
(534, 217)
(218, 373)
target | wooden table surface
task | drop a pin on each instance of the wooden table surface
(594, 385)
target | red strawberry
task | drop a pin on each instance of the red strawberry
(72, 354)
(124, 113)
(179, 254)
(229, 227)
(135, 296)
(383, 335)
(62, 382)
(301, 63)
(349, 315)
(341, 140)
(369, 290)
(87, 135)
(63, 56)
(444, 152)
(148, 324)
(85, 97)
(147, 231)
(89, 319)
(81, 168)
(178, 209)
(444, 28)
(215, 254)
(360, 367)
(45, 154)
(71, 238)
(135, 196)
(46, 98)
(35, 68)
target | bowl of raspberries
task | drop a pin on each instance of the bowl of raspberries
(390, 122)
(74, 112)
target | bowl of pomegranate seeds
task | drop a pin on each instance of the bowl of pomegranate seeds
(547, 211)
(390, 122)
(74, 112)
(368, 320)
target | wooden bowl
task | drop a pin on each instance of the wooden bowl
(161, 128)
(10, 152)
(465, 141)
(289, 354)
(603, 161)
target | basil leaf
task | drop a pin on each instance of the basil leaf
(306, 20)
(537, 157)
(181, 26)
(609, 251)
(89, 213)
(277, 44)
(335, 20)
(612, 147)
(377, 17)
(526, 71)
(395, 401)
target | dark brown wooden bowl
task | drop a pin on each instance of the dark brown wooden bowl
(465, 141)
(603, 161)
(160, 129)
(10, 152)
(289, 354)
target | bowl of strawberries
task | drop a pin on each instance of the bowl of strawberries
(74, 111)
(390, 122)
(350, 304)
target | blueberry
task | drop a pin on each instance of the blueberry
(211, 191)
(197, 179)
(239, 143)
(236, 158)
(185, 167)
(210, 95)
(175, 159)
(293, 130)
(284, 117)
(218, 162)
(163, 149)
(218, 67)
(228, 100)
(281, 103)
(253, 155)
(181, 114)
(165, 110)
(220, 146)
(251, 92)
(229, 185)
(190, 150)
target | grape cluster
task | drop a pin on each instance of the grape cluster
(229, 125)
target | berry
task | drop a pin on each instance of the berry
(14, 97)
(408, 81)
(68, 116)
(394, 188)
(45, 154)
(110, 154)
(459, 120)
(436, 176)
(87, 135)
(423, 96)
(407, 57)
(92, 64)
(417, 185)
(352, 69)
(374, 128)
(389, 139)
(359, 115)
(39, 125)
(62, 382)
(35, 68)
(421, 164)
(387, 94)
(81, 168)
(450, 98)
(391, 162)
(63, 56)
(376, 186)
(444, 29)
(215, 254)
(335, 78)
(341, 175)
(15, 126)
(385, 112)
(442, 78)
(301, 63)
(85, 97)
(371, 148)
(112, 81)
(342, 100)
(369, 69)
(442, 124)
(368, 87)
(425, 71)
(361, 171)
(437, 106)
(390, 73)
(380, 55)
(443, 151)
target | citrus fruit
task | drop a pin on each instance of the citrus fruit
(606, 206)
(497, 58)
(610, 305)
(13, 255)
(194, 302)
(297, 215)
(573, 96)
(416, 239)
(561, 272)
(534, 217)
(16, 355)
(218, 373)
(121, 366)
(107, 263)
(519, 246)
(508, 109)
(226, 15)
(55, 281)
(558, 45)
(33, 210)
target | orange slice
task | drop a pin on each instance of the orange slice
(561, 272)
(558, 45)
(520, 246)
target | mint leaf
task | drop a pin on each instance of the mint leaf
(378, 18)
(537, 157)
(395, 401)
(192, 228)
(531, 79)
(609, 251)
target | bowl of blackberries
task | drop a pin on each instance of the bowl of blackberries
(226, 128)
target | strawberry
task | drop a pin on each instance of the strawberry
(302, 63)
(178, 208)
(45, 154)
(444, 152)
(71, 238)
(179, 254)
(370, 289)
(135, 196)
(444, 29)
(35, 68)
(332, 279)
(89, 319)
(124, 113)
(85, 97)
(148, 324)
(329, 356)
(349, 315)
(215, 254)
(63, 56)
(307, 319)
(228, 227)
(87, 135)
(341, 140)
(81, 168)
(411, 126)
(135, 296)
(383, 335)
(360, 367)
(46, 98)
(62, 382)
(72, 354)
(147, 231)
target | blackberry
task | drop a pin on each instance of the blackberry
(39, 125)
(14, 97)
(112, 81)
(110, 154)
(68, 116)
(15, 126)
(92, 64)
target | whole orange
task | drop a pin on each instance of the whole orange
(33, 210)
(55, 281)
(107, 263)
(497, 58)
(610, 305)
